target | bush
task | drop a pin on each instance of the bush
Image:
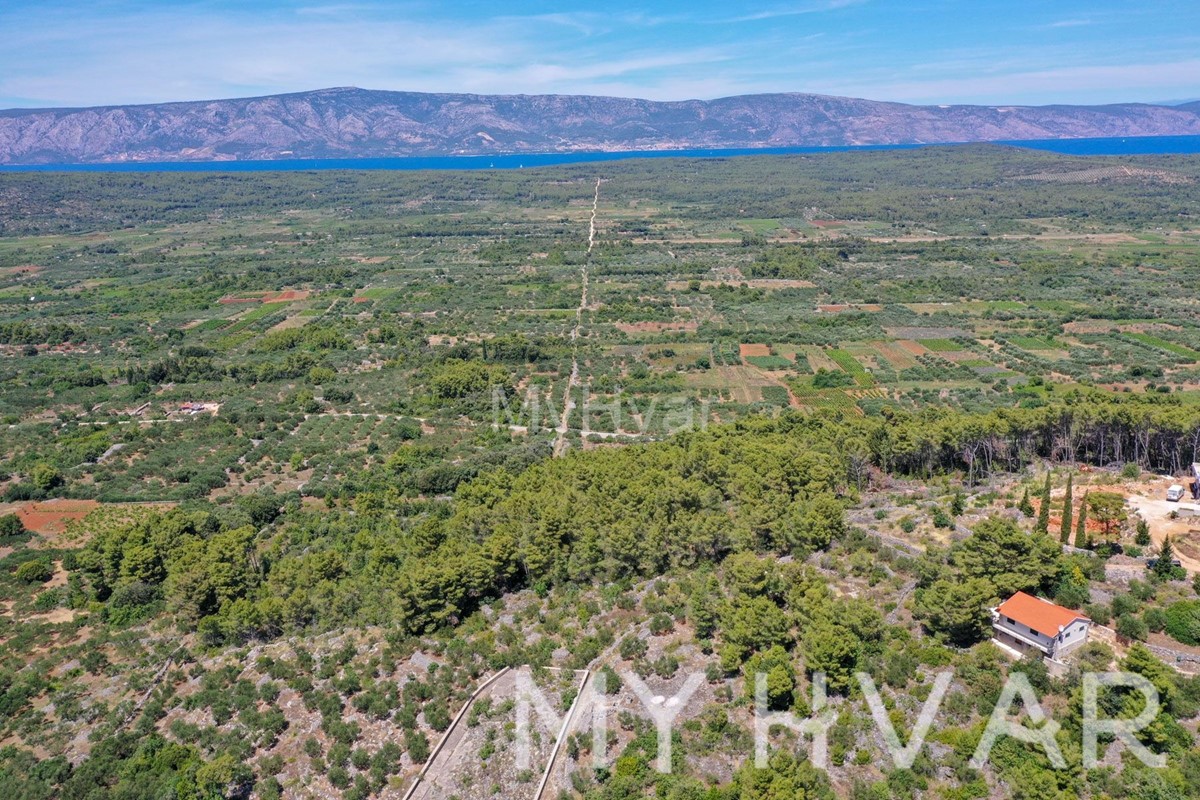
(1183, 621)
(35, 572)
(1130, 627)
(1131, 471)
(1098, 613)
(1155, 619)
(11, 525)
(632, 648)
(418, 746)
(1124, 605)
(437, 714)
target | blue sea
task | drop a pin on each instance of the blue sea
(1133, 145)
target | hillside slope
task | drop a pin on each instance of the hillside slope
(348, 122)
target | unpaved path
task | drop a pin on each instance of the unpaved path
(560, 444)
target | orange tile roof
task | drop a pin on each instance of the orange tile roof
(1040, 615)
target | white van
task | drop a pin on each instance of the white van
(1175, 493)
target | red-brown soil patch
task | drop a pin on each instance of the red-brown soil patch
(51, 516)
(1094, 527)
(25, 269)
(289, 296)
(916, 348)
(654, 327)
(748, 350)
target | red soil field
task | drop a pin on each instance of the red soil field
(52, 516)
(916, 348)
(288, 296)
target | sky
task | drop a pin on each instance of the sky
(103, 52)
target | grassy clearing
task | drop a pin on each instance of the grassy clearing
(769, 362)
(762, 225)
(1163, 344)
(941, 345)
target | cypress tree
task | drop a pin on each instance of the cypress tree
(1043, 520)
(1025, 506)
(1081, 537)
(1064, 531)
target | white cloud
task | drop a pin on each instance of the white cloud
(795, 10)
(1133, 79)
(173, 52)
(1070, 23)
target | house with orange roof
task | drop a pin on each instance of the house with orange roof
(1026, 623)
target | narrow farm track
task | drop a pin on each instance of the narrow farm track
(564, 425)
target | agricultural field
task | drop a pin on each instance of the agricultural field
(295, 456)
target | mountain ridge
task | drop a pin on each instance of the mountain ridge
(348, 122)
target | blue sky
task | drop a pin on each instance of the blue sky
(54, 52)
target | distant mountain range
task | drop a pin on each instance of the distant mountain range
(357, 123)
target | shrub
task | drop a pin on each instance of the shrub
(632, 648)
(1130, 627)
(612, 681)
(35, 572)
(1124, 605)
(1098, 613)
(1183, 621)
(45, 477)
(418, 746)
(666, 666)
(339, 777)
(1155, 619)
(437, 714)
(11, 525)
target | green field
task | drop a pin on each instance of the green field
(279, 546)
(769, 362)
(941, 345)
(1163, 344)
